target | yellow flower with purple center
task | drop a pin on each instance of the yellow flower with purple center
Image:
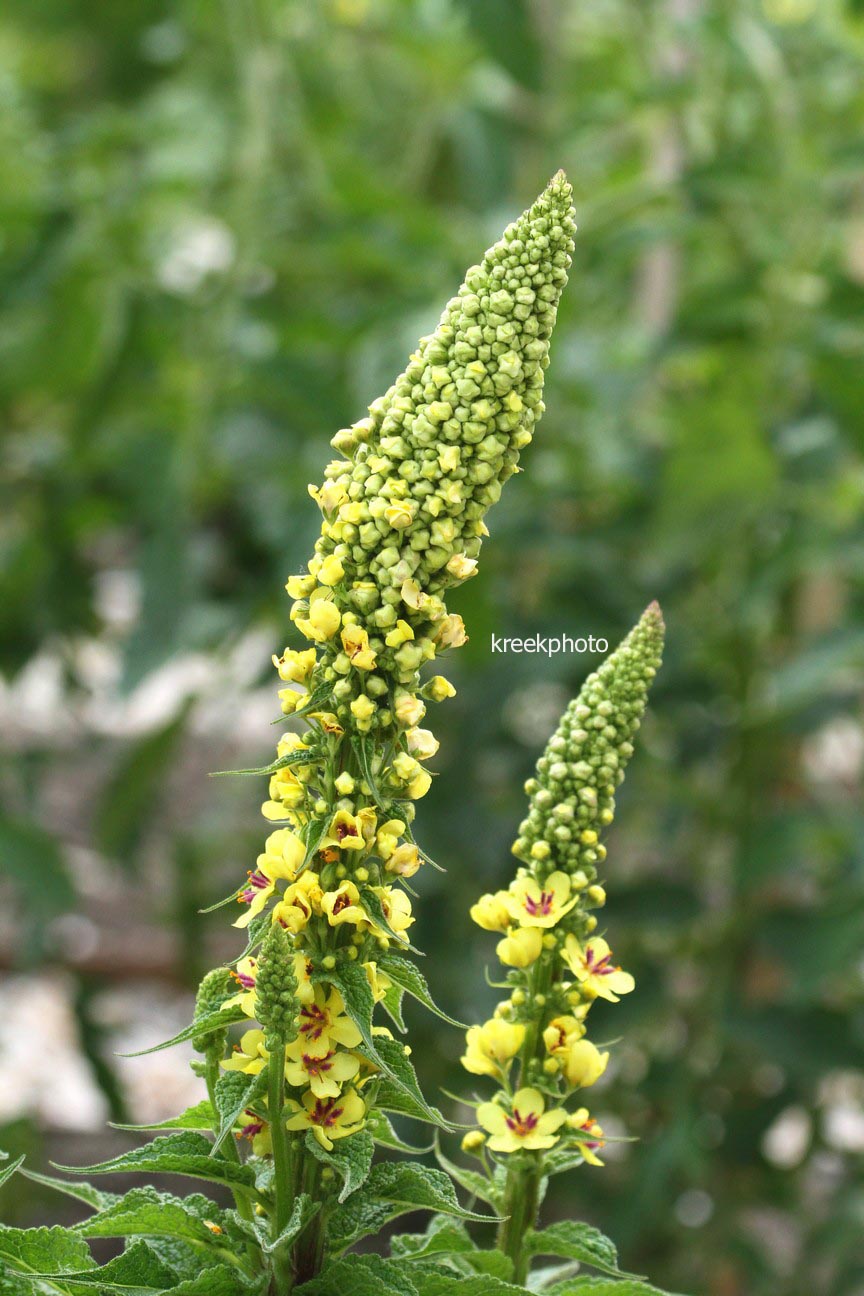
(524, 1123)
(324, 1074)
(343, 906)
(283, 854)
(589, 1135)
(299, 902)
(345, 832)
(396, 908)
(593, 968)
(323, 1024)
(327, 1118)
(540, 904)
(245, 975)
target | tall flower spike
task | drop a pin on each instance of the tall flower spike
(402, 521)
(535, 1047)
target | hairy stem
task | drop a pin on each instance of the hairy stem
(521, 1204)
(310, 1246)
(282, 1186)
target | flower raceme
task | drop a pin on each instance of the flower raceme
(557, 966)
(402, 521)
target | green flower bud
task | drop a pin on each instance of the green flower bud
(276, 985)
(216, 987)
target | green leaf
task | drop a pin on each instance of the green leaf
(604, 1287)
(299, 756)
(234, 1093)
(392, 1005)
(416, 1187)
(8, 1171)
(441, 1283)
(560, 1160)
(573, 1240)
(199, 1117)
(355, 1275)
(214, 1021)
(350, 1157)
(404, 974)
(389, 1056)
(363, 749)
(372, 904)
(33, 1251)
(449, 1239)
(303, 1210)
(144, 1212)
(384, 1134)
(186, 1153)
(472, 1181)
(86, 1193)
(137, 1272)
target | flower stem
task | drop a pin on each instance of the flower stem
(282, 1188)
(309, 1248)
(521, 1204)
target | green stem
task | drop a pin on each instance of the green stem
(310, 1245)
(521, 1204)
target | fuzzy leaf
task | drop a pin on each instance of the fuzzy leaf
(573, 1240)
(84, 1192)
(201, 1026)
(472, 1181)
(372, 904)
(199, 1117)
(186, 1153)
(604, 1287)
(33, 1251)
(392, 1005)
(561, 1160)
(437, 1282)
(144, 1212)
(403, 973)
(395, 1064)
(137, 1272)
(384, 1134)
(363, 749)
(8, 1170)
(234, 1093)
(415, 1187)
(302, 1211)
(297, 757)
(367, 1275)
(351, 1158)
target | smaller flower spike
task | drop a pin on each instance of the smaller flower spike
(556, 967)
(276, 986)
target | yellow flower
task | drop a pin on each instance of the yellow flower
(591, 1135)
(295, 667)
(363, 708)
(283, 854)
(343, 905)
(345, 832)
(401, 515)
(305, 992)
(388, 837)
(562, 1032)
(520, 948)
(533, 905)
(324, 1075)
(582, 1063)
(249, 1056)
(450, 633)
(245, 975)
(289, 700)
(525, 1125)
(299, 902)
(355, 641)
(323, 1023)
(594, 969)
(491, 1045)
(299, 587)
(328, 723)
(331, 571)
(461, 568)
(323, 620)
(408, 709)
(422, 743)
(379, 982)
(396, 908)
(328, 1118)
(491, 912)
(438, 688)
(404, 860)
(400, 634)
(419, 785)
(252, 1127)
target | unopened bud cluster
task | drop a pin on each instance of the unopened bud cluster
(276, 986)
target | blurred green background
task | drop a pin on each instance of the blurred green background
(224, 228)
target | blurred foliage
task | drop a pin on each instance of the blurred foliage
(224, 228)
